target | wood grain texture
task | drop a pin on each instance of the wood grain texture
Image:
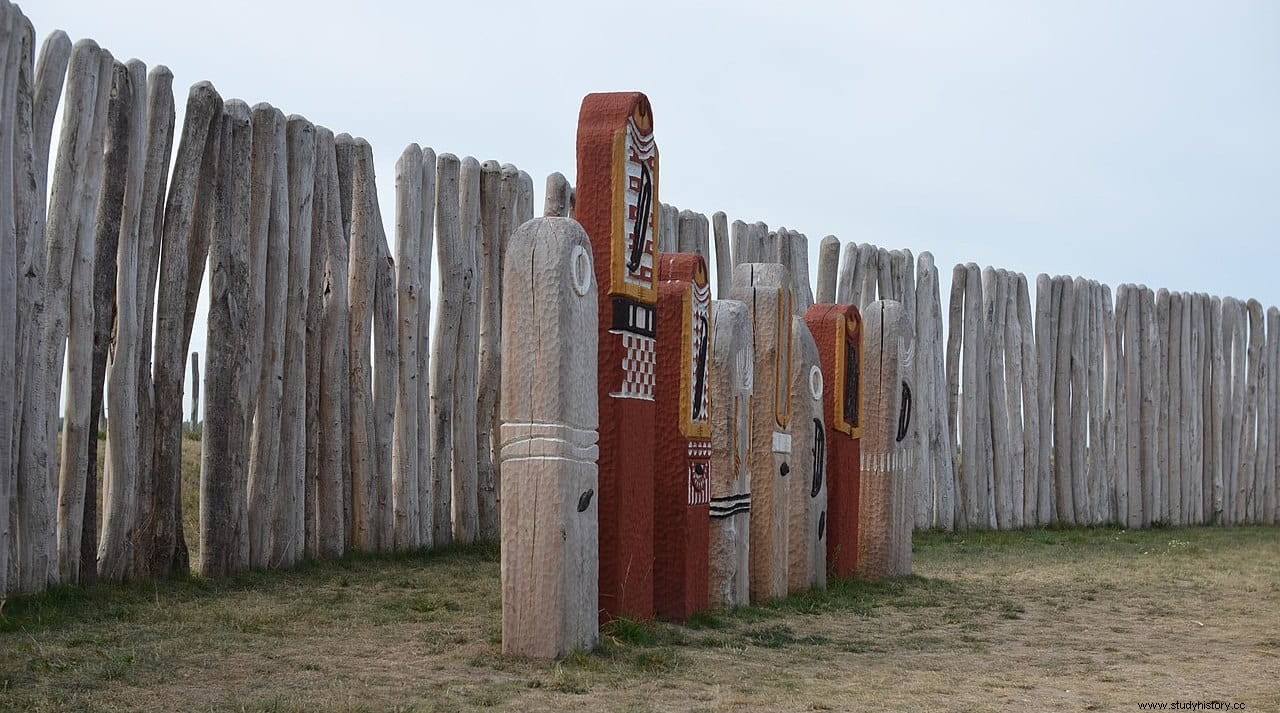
(549, 418)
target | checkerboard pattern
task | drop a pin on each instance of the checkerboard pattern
(638, 367)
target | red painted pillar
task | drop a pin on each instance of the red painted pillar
(682, 475)
(838, 331)
(617, 204)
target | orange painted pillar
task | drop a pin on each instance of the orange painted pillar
(682, 476)
(617, 204)
(837, 329)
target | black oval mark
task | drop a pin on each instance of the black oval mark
(819, 457)
(822, 524)
(584, 501)
(784, 470)
(904, 415)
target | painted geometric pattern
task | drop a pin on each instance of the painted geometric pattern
(638, 367)
(640, 196)
(698, 391)
(699, 472)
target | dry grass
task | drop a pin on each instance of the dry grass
(1057, 620)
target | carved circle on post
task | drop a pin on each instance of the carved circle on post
(815, 383)
(581, 269)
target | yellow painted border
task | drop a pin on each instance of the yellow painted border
(689, 427)
(617, 255)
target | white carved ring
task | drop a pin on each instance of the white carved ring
(815, 382)
(580, 269)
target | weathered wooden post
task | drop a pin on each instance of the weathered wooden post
(77, 428)
(269, 271)
(466, 503)
(494, 203)
(385, 386)
(828, 266)
(116, 560)
(188, 215)
(1065, 301)
(426, 414)
(618, 206)
(724, 256)
(885, 503)
(28, 405)
(765, 288)
(994, 290)
(973, 493)
(682, 468)
(333, 468)
(405, 465)
(550, 501)
(846, 287)
(16, 147)
(731, 371)
(224, 517)
(1013, 393)
(807, 499)
(444, 355)
(934, 426)
(558, 201)
(298, 420)
(1031, 453)
(955, 341)
(1046, 329)
(837, 330)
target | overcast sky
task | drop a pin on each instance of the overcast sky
(1134, 141)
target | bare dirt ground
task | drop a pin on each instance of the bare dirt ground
(1098, 619)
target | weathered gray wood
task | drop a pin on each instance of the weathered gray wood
(1270, 480)
(986, 424)
(1095, 357)
(427, 477)
(1150, 364)
(1030, 403)
(687, 232)
(385, 377)
(1062, 420)
(117, 160)
(828, 266)
(1122, 474)
(1193, 360)
(160, 128)
(1080, 401)
(1013, 396)
(556, 200)
(334, 465)
(489, 375)
(185, 243)
(77, 428)
(1133, 405)
(125, 171)
(300, 404)
(1166, 426)
(404, 470)
(1175, 415)
(1046, 328)
(224, 517)
(267, 131)
(724, 256)
(935, 396)
(549, 421)
(11, 47)
(444, 356)
(763, 288)
(362, 266)
(973, 491)
(731, 378)
(884, 275)
(741, 240)
(955, 340)
(884, 510)
(995, 290)
(465, 478)
(799, 245)
(268, 446)
(317, 274)
(847, 283)
(1246, 490)
(807, 496)
(1112, 472)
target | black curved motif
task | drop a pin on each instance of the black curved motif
(640, 233)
